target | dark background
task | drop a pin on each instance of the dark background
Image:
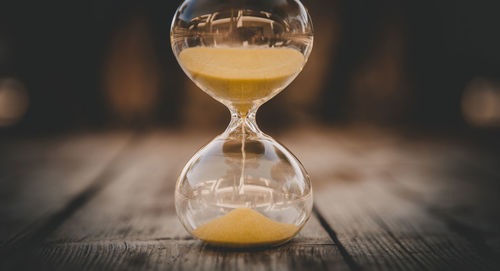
(396, 117)
(421, 65)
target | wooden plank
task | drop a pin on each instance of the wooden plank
(186, 255)
(379, 227)
(131, 222)
(38, 178)
(461, 188)
(139, 203)
(134, 218)
(310, 250)
(381, 231)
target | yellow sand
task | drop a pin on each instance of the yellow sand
(241, 76)
(244, 227)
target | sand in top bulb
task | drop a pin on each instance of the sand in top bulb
(242, 76)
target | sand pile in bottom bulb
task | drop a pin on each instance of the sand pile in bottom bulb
(244, 227)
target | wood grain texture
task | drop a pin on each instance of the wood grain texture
(382, 202)
(187, 255)
(138, 208)
(381, 231)
(461, 188)
(380, 227)
(139, 202)
(38, 178)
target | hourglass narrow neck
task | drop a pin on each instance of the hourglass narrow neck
(242, 125)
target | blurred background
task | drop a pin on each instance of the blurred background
(418, 65)
(397, 111)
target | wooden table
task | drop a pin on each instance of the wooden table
(105, 201)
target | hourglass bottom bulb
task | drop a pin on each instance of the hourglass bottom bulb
(243, 191)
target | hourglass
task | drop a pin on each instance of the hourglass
(243, 189)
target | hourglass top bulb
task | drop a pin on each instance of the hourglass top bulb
(242, 53)
(243, 189)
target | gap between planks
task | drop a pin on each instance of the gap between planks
(351, 263)
(474, 236)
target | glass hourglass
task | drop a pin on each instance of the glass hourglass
(243, 189)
